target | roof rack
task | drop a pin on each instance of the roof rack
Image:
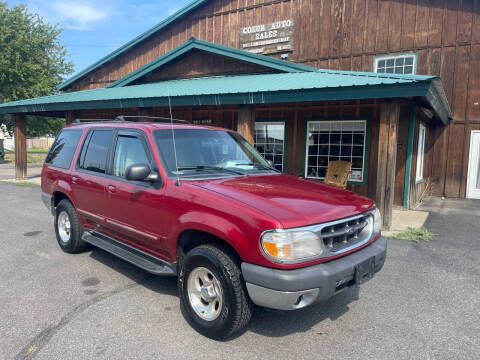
(123, 118)
(83, 121)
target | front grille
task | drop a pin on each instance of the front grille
(343, 234)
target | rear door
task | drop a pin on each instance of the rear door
(89, 180)
(135, 210)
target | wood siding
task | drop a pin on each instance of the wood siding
(347, 34)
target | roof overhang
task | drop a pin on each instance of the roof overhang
(244, 89)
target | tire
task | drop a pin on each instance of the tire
(225, 315)
(68, 229)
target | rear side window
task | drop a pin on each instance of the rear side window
(62, 150)
(94, 156)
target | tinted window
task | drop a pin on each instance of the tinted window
(62, 150)
(96, 154)
(129, 151)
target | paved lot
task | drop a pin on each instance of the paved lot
(424, 303)
(7, 170)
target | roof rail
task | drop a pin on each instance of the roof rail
(86, 121)
(122, 118)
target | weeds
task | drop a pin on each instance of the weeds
(415, 235)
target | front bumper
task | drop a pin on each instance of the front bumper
(298, 288)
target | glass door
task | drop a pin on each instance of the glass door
(473, 179)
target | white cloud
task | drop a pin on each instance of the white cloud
(76, 15)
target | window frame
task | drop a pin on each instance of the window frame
(377, 58)
(285, 126)
(366, 146)
(420, 155)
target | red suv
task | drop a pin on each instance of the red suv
(200, 203)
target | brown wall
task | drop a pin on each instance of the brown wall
(347, 34)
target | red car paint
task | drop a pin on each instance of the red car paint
(236, 210)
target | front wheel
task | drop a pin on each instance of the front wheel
(213, 297)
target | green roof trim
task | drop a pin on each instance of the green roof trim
(189, 7)
(193, 43)
(239, 89)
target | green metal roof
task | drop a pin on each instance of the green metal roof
(242, 89)
(191, 6)
(192, 43)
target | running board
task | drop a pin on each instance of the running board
(130, 254)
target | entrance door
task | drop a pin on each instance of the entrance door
(473, 179)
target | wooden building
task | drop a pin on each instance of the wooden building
(308, 81)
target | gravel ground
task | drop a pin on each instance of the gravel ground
(423, 304)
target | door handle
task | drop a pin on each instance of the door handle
(75, 180)
(112, 189)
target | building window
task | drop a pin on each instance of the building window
(270, 142)
(395, 64)
(336, 140)
(420, 153)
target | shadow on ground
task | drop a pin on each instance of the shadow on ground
(266, 322)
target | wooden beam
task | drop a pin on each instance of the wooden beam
(20, 132)
(391, 164)
(246, 122)
(386, 160)
(69, 117)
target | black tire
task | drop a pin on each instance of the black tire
(236, 308)
(75, 243)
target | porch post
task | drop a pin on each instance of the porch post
(71, 116)
(246, 122)
(386, 161)
(20, 132)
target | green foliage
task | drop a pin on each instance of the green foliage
(32, 63)
(415, 235)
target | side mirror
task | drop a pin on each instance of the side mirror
(140, 172)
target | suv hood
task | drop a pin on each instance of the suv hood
(292, 200)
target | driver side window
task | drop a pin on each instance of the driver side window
(128, 151)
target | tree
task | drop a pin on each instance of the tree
(32, 63)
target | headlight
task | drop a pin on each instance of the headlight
(377, 222)
(291, 246)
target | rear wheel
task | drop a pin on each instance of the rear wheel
(213, 297)
(68, 229)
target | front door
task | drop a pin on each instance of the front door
(135, 210)
(473, 179)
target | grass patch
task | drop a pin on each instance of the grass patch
(32, 157)
(23, 183)
(415, 235)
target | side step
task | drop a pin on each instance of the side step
(130, 254)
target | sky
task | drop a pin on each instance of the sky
(93, 29)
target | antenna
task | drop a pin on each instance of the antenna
(173, 138)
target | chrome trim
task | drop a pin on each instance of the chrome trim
(317, 228)
(129, 228)
(89, 214)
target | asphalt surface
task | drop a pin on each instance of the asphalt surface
(423, 304)
(7, 170)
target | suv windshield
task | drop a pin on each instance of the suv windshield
(209, 153)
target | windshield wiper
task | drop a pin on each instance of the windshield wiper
(259, 166)
(208, 167)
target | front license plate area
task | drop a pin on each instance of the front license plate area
(364, 271)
